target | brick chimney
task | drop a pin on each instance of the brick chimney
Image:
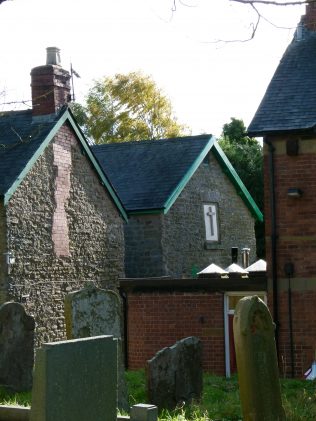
(50, 85)
(310, 17)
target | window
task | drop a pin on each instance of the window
(211, 222)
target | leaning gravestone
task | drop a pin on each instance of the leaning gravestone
(93, 312)
(75, 380)
(16, 347)
(174, 374)
(258, 373)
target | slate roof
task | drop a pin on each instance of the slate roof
(23, 139)
(289, 103)
(149, 175)
(146, 173)
(19, 139)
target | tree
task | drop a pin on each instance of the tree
(126, 107)
(245, 154)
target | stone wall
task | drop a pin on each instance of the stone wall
(143, 247)
(185, 248)
(3, 249)
(174, 244)
(46, 268)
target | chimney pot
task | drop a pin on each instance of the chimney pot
(245, 252)
(53, 56)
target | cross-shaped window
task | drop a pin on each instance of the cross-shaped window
(211, 222)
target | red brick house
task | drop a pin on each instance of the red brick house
(286, 119)
(61, 221)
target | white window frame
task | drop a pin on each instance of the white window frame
(210, 211)
(227, 311)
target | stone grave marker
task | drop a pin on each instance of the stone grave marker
(258, 373)
(16, 347)
(75, 380)
(93, 312)
(174, 374)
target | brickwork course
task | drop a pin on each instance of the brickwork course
(174, 316)
(288, 127)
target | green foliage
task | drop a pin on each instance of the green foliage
(245, 154)
(126, 107)
(136, 381)
(220, 400)
(12, 398)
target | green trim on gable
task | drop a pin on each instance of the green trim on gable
(227, 168)
(34, 158)
(174, 195)
(64, 117)
(235, 179)
(97, 167)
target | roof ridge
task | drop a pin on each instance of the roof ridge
(155, 141)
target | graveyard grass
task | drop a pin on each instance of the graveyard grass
(220, 399)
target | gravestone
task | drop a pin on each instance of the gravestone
(16, 347)
(174, 374)
(258, 373)
(93, 312)
(75, 380)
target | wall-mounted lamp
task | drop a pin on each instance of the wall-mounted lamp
(9, 257)
(294, 192)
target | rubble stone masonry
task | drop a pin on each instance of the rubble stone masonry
(64, 231)
(174, 244)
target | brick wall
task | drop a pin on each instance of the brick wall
(296, 244)
(42, 274)
(50, 89)
(157, 320)
(174, 244)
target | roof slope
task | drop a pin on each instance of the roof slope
(289, 103)
(24, 138)
(149, 175)
(19, 139)
(145, 174)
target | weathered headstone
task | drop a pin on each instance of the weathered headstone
(257, 365)
(16, 347)
(93, 312)
(174, 374)
(75, 380)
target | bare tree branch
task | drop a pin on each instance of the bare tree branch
(275, 2)
(254, 25)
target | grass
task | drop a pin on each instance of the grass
(220, 401)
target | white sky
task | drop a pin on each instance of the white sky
(206, 82)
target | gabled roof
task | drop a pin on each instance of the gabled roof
(24, 138)
(149, 175)
(289, 104)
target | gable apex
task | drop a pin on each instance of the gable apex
(25, 140)
(150, 175)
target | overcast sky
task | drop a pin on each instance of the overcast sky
(206, 81)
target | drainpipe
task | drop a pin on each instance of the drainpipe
(273, 243)
(125, 321)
